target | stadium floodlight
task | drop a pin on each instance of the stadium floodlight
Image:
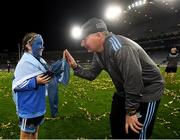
(113, 12)
(76, 32)
(140, 2)
(133, 5)
(144, 1)
(137, 4)
(129, 7)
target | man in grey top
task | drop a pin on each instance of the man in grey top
(136, 77)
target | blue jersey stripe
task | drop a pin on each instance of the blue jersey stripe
(115, 47)
(150, 118)
(23, 84)
(115, 43)
(149, 115)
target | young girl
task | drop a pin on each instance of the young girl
(31, 78)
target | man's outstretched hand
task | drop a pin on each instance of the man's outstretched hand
(70, 59)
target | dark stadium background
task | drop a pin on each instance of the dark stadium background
(155, 26)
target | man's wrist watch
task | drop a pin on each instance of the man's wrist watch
(75, 66)
(130, 112)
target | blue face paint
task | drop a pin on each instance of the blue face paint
(37, 46)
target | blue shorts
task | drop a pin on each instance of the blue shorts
(30, 125)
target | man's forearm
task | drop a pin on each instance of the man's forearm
(88, 74)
